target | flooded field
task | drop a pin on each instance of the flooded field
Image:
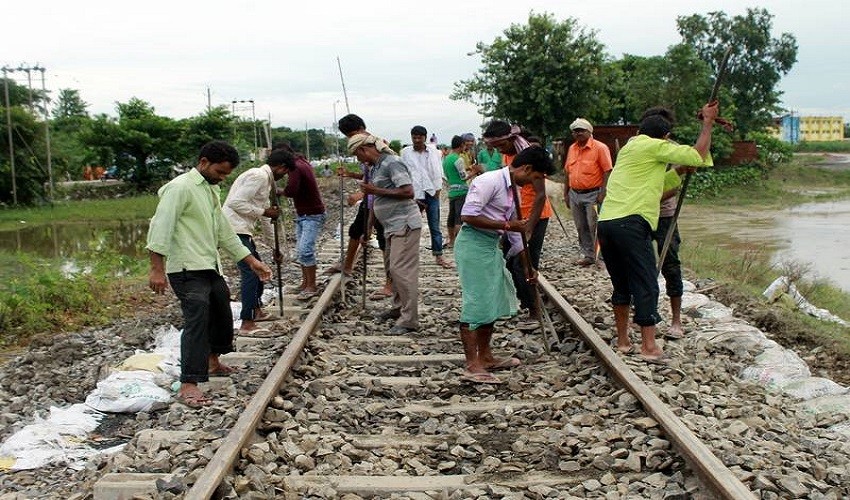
(63, 240)
(813, 234)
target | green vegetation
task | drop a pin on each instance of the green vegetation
(823, 147)
(122, 209)
(39, 297)
(744, 271)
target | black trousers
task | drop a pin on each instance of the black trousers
(525, 291)
(627, 249)
(672, 267)
(207, 321)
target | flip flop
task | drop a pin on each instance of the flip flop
(480, 377)
(267, 317)
(504, 363)
(445, 264)
(663, 359)
(194, 401)
(629, 350)
(379, 295)
(253, 332)
(306, 295)
(674, 336)
(223, 371)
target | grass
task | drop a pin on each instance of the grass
(798, 181)
(823, 147)
(744, 271)
(120, 209)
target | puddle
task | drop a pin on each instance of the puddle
(813, 234)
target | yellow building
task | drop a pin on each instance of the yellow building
(821, 128)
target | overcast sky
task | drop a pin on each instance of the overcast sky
(400, 59)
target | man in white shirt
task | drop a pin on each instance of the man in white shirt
(426, 170)
(247, 203)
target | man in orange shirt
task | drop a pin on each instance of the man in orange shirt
(534, 206)
(588, 166)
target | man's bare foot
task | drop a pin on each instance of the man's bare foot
(675, 332)
(191, 396)
(441, 261)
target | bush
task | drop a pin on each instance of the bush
(772, 151)
(712, 181)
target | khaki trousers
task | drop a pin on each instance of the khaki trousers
(401, 259)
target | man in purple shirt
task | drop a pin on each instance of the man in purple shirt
(310, 218)
(488, 290)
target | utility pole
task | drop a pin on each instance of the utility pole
(243, 107)
(9, 130)
(209, 100)
(46, 135)
(307, 140)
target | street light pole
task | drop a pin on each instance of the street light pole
(9, 129)
(47, 134)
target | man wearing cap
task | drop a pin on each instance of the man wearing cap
(392, 186)
(426, 169)
(587, 167)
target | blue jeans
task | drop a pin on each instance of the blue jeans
(251, 287)
(431, 206)
(307, 229)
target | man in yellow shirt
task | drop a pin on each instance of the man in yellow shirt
(630, 214)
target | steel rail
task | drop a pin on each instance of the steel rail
(222, 462)
(712, 471)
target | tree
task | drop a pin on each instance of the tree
(69, 105)
(755, 67)
(542, 75)
(142, 144)
(214, 124)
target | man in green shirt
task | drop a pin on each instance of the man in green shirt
(630, 214)
(184, 236)
(455, 171)
(490, 158)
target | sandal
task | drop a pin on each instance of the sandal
(193, 400)
(254, 332)
(379, 295)
(662, 359)
(504, 363)
(305, 295)
(223, 371)
(480, 377)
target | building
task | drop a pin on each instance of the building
(792, 128)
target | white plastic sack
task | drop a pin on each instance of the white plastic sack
(128, 392)
(776, 367)
(737, 337)
(714, 310)
(168, 346)
(693, 301)
(828, 404)
(56, 439)
(813, 387)
(783, 285)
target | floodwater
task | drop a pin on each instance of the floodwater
(65, 240)
(813, 235)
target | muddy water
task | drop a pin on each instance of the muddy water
(813, 234)
(64, 240)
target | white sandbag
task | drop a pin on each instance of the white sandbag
(843, 428)
(687, 286)
(128, 392)
(57, 439)
(776, 367)
(813, 387)
(737, 337)
(693, 301)
(714, 310)
(168, 346)
(827, 404)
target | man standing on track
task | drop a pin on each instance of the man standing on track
(310, 214)
(351, 125)
(488, 291)
(535, 206)
(671, 269)
(426, 169)
(247, 203)
(588, 166)
(394, 208)
(455, 171)
(630, 214)
(183, 240)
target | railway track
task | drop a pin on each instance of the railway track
(347, 412)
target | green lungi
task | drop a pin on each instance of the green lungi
(488, 291)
